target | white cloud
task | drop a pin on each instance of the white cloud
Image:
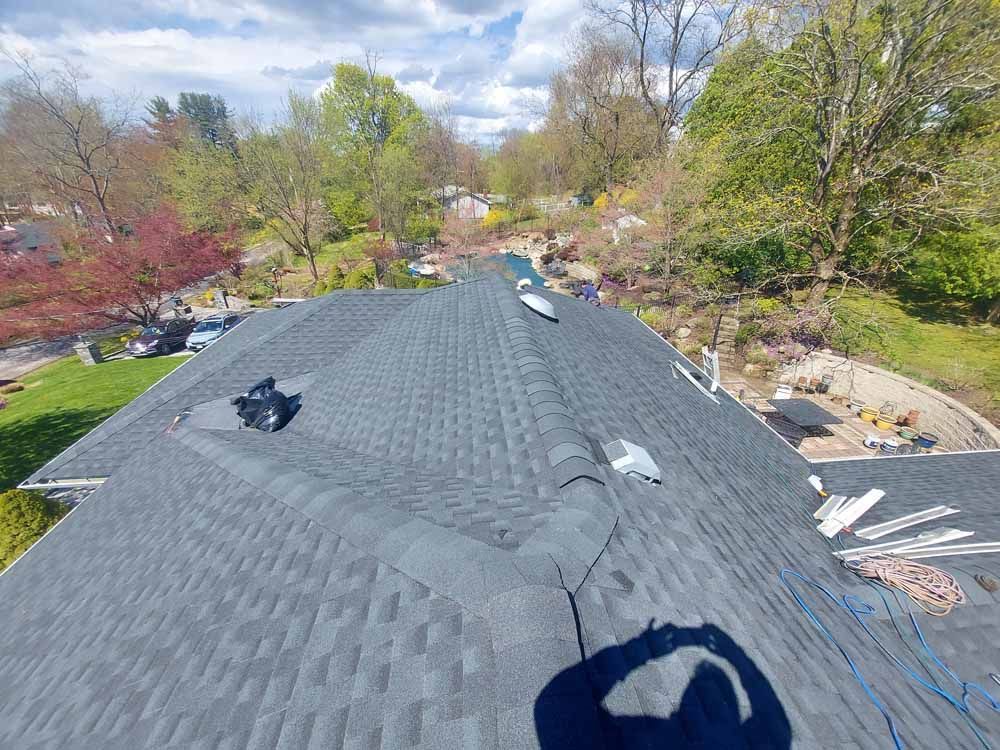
(251, 51)
(541, 39)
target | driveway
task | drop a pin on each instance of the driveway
(19, 360)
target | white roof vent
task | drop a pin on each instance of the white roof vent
(632, 460)
(540, 305)
(523, 283)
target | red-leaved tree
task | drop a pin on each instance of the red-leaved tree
(99, 281)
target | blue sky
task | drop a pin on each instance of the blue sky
(489, 59)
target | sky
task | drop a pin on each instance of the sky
(489, 59)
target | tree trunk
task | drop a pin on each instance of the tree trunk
(824, 270)
(310, 257)
(993, 316)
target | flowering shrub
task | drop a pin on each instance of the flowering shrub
(764, 306)
(497, 218)
(655, 318)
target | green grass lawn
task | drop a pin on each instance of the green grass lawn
(62, 402)
(353, 248)
(941, 345)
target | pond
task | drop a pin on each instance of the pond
(523, 269)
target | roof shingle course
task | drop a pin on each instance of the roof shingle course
(344, 582)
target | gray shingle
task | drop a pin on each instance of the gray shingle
(393, 568)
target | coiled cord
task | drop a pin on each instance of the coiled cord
(932, 589)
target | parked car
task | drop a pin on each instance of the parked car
(211, 329)
(160, 338)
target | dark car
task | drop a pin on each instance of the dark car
(211, 329)
(160, 338)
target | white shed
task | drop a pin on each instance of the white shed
(466, 204)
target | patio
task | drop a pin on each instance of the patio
(846, 437)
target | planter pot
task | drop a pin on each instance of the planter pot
(872, 441)
(911, 417)
(868, 413)
(926, 440)
(885, 421)
(908, 433)
(855, 407)
(889, 447)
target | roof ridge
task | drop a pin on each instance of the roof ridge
(567, 448)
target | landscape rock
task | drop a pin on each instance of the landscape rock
(683, 332)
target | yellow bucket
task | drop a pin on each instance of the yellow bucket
(868, 414)
(885, 421)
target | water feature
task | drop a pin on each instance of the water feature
(523, 269)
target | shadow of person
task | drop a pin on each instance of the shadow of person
(570, 710)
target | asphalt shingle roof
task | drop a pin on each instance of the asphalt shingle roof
(432, 554)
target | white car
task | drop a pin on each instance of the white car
(211, 329)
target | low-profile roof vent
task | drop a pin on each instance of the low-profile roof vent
(632, 460)
(540, 305)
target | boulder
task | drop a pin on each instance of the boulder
(683, 332)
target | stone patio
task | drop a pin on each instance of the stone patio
(847, 438)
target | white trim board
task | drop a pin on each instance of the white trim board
(898, 524)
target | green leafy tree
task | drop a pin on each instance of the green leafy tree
(24, 518)
(362, 277)
(347, 209)
(210, 115)
(364, 113)
(335, 278)
(163, 122)
(405, 190)
(204, 183)
(856, 117)
(961, 265)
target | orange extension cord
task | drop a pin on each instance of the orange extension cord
(933, 590)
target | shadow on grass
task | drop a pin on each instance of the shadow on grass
(26, 444)
(933, 309)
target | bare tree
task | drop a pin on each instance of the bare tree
(73, 143)
(882, 85)
(597, 96)
(670, 195)
(463, 241)
(438, 149)
(675, 43)
(282, 166)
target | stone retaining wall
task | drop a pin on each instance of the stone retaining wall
(958, 426)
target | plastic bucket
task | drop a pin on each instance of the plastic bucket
(889, 447)
(854, 407)
(868, 413)
(926, 440)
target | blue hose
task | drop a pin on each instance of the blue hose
(859, 610)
